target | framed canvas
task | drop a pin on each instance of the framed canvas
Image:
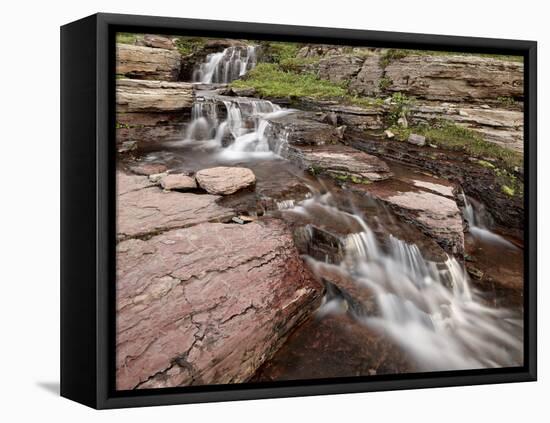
(257, 211)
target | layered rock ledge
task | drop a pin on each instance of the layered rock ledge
(207, 304)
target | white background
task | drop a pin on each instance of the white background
(29, 157)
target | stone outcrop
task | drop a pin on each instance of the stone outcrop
(455, 78)
(225, 180)
(428, 204)
(134, 96)
(500, 126)
(142, 62)
(144, 209)
(367, 80)
(207, 304)
(477, 181)
(340, 68)
(149, 111)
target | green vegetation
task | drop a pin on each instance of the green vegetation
(189, 45)
(391, 55)
(278, 52)
(269, 80)
(126, 38)
(506, 101)
(450, 136)
(384, 83)
(346, 177)
(400, 107)
(453, 137)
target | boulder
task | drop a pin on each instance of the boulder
(225, 180)
(416, 139)
(207, 304)
(180, 182)
(141, 62)
(144, 209)
(158, 41)
(134, 96)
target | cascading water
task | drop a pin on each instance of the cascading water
(479, 221)
(226, 66)
(426, 307)
(246, 124)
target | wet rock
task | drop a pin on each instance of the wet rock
(426, 205)
(416, 139)
(147, 169)
(134, 96)
(302, 129)
(127, 146)
(338, 161)
(225, 180)
(180, 182)
(140, 62)
(242, 92)
(144, 209)
(477, 181)
(207, 304)
(331, 118)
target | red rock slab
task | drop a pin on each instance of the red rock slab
(144, 209)
(207, 304)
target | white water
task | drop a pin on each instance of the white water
(226, 66)
(427, 308)
(244, 131)
(480, 221)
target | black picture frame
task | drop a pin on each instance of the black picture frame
(88, 210)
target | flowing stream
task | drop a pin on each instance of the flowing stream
(426, 307)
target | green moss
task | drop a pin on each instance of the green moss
(126, 38)
(450, 136)
(506, 101)
(269, 80)
(486, 164)
(508, 190)
(346, 177)
(384, 83)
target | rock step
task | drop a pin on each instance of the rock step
(207, 304)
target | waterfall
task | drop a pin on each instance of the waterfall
(226, 66)
(480, 221)
(245, 130)
(428, 308)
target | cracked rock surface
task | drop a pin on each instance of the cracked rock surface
(207, 304)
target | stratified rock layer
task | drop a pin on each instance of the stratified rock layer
(141, 62)
(207, 304)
